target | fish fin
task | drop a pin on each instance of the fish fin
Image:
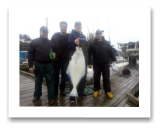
(73, 93)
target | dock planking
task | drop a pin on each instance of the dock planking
(119, 86)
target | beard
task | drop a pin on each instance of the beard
(63, 32)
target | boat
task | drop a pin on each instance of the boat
(137, 62)
(121, 62)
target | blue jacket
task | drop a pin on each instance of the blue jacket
(82, 43)
(75, 35)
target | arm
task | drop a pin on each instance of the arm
(53, 42)
(53, 45)
(89, 54)
(31, 55)
(71, 43)
(110, 52)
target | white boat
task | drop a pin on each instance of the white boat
(137, 62)
(121, 62)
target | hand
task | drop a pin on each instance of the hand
(114, 62)
(90, 66)
(55, 59)
(76, 42)
(31, 70)
(54, 55)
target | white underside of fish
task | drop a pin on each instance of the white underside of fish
(76, 70)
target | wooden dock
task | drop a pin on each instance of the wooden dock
(119, 85)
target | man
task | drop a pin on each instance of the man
(78, 38)
(60, 41)
(101, 50)
(38, 52)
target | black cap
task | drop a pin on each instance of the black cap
(43, 28)
(77, 23)
(99, 31)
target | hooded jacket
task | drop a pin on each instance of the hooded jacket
(101, 52)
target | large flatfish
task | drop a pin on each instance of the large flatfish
(76, 69)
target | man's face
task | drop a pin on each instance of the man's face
(63, 28)
(78, 28)
(44, 34)
(98, 36)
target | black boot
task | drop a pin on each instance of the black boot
(82, 95)
(72, 99)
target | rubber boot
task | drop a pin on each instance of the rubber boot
(95, 94)
(109, 95)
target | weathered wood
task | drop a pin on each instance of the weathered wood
(22, 59)
(30, 98)
(129, 104)
(31, 91)
(119, 86)
(132, 99)
(29, 95)
(122, 103)
(126, 105)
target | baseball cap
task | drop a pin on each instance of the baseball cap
(77, 23)
(99, 31)
(43, 28)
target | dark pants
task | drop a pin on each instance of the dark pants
(104, 68)
(60, 65)
(47, 71)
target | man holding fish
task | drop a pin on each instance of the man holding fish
(77, 68)
(101, 50)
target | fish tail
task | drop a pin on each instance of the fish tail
(74, 93)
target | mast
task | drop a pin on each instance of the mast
(47, 22)
(109, 32)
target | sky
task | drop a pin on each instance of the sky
(121, 24)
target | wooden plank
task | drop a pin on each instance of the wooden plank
(125, 86)
(24, 93)
(117, 97)
(29, 95)
(126, 105)
(23, 59)
(44, 102)
(30, 98)
(122, 103)
(114, 92)
(133, 99)
(129, 104)
(110, 102)
(32, 91)
(27, 84)
(29, 102)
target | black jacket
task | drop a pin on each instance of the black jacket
(39, 50)
(101, 52)
(61, 49)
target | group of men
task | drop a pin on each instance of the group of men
(63, 46)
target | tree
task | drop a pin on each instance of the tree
(24, 37)
(20, 36)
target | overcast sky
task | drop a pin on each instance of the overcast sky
(122, 23)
